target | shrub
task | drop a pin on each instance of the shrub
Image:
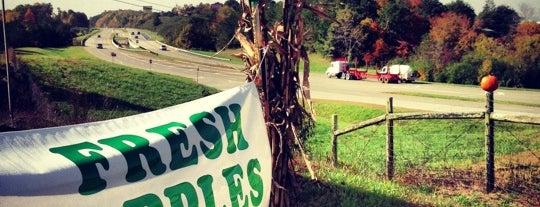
(462, 73)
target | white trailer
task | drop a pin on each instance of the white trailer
(405, 72)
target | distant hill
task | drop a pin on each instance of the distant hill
(120, 18)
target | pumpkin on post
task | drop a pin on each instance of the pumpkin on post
(489, 83)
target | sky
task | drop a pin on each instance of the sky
(95, 7)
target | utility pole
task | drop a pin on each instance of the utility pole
(7, 63)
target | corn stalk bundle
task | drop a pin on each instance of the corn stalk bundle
(271, 53)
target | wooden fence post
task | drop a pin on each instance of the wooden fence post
(334, 139)
(389, 140)
(490, 144)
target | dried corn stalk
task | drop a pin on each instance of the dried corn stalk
(272, 53)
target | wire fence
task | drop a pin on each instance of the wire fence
(428, 157)
(451, 154)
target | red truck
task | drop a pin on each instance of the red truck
(340, 68)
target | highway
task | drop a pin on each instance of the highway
(224, 75)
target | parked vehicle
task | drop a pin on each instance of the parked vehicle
(100, 46)
(355, 74)
(396, 73)
(163, 47)
(340, 68)
(336, 69)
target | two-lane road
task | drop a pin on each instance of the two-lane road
(224, 75)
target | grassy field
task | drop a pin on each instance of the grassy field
(70, 77)
(438, 163)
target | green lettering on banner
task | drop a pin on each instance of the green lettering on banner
(205, 183)
(235, 185)
(209, 133)
(255, 181)
(174, 193)
(231, 127)
(131, 154)
(91, 181)
(177, 143)
(148, 200)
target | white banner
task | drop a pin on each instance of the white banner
(210, 152)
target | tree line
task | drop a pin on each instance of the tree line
(443, 42)
(38, 25)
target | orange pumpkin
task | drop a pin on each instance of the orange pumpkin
(489, 83)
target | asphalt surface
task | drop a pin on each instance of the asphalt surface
(224, 75)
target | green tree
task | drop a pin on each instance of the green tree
(234, 5)
(488, 6)
(364, 8)
(156, 21)
(318, 39)
(431, 8)
(73, 19)
(342, 33)
(226, 25)
(499, 21)
(462, 73)
(196, 34)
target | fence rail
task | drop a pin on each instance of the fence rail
(487, 116)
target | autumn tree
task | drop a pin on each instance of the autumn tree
(461, 8)
(29, 17)
(526, 59)
(34, 25)
(401, 29)
(489, 47)
(369, 31)
(441, 46)
(527, 28)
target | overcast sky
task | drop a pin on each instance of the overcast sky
(95, 7)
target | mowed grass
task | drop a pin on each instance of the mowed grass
(63, 71)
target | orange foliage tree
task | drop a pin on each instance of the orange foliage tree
(446, 32)
(526, 59)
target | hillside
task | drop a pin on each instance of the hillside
(64, 86)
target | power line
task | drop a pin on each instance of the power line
(137, 5)
(154, 3)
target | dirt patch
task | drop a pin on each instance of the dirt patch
(517, 180)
